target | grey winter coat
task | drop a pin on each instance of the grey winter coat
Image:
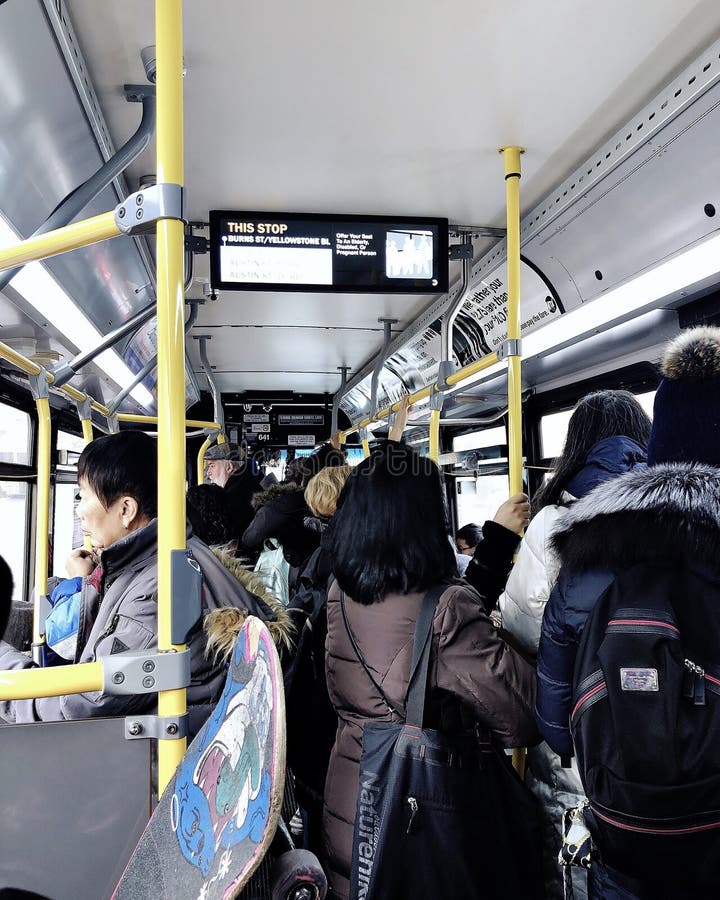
(122, 615)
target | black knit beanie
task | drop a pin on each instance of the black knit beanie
(686, 417)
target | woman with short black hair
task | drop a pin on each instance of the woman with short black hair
(117, 478)
(389, 543)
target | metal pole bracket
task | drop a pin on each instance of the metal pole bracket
(363, 433)
(446, 368)
(168, 728)
(113, 424)
(144, 208)
(136, 93)
(145, 672)
(460, 251)
(39, 385)
(437, 398)
(509, 348)
(84, 408)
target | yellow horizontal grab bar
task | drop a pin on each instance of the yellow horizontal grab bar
(478, 366)
(152, 420)
(17, 359)
(26, 684)
(78, 396)
(473, 369)
(79, 234)
(32, 368)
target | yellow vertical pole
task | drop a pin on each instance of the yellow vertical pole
(511, 159)
(171, 354)
(201, 460)
(434, 435)
(42, 522)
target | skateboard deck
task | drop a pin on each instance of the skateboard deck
(218, 815)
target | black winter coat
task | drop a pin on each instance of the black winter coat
(240, 488)
(281, 514)
(490, 566)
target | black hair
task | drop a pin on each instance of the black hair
(297, 472)
(119, 465)
(471, 534)
(208, 513)
(390, 532)
(301, 469)
(597, 416)
(6, 589)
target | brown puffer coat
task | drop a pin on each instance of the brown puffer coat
(474, 678)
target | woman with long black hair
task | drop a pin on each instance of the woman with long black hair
(607, 436)
(389, 544)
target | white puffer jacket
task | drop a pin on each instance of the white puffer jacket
(531, 580)
(522, 605)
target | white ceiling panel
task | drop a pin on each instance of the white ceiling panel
(381, 107)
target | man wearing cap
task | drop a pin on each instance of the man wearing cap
(227, 467)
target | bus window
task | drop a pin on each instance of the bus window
(553, 429)
(646, 401)
(478, 498)
(66, 526)
(476, 440)
(554, 426)
(14, 497)
(14, 436)
(15, 450)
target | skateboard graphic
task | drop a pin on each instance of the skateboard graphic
(218, 815)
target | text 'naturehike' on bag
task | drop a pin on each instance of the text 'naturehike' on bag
(437, 815)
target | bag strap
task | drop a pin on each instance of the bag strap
(422, 644)
(359, 655)
(417, 684)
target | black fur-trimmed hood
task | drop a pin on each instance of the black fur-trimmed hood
(288, 494)
(663, 513)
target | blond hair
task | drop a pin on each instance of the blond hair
(323, 490)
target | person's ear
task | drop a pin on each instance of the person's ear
(129, 512)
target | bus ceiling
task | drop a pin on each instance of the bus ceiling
(387, 109)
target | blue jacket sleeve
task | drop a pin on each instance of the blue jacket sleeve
(567, 610)
(555, 666)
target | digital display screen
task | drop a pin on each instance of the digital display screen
(305, 252)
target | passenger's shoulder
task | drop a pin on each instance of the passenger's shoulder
(457, 596)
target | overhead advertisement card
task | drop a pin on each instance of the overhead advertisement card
(309, 252)
(480, 328)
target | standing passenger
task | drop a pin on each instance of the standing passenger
(389, 544)
(237, 476)
(648, 541)
(117, 477)
(607, 435)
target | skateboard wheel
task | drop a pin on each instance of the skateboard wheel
(297, 875)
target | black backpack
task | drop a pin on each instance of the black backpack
(645, 723)
(311, 718)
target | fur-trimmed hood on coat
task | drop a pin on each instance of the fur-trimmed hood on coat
(222, 626)
(292, 496)
(666, 512)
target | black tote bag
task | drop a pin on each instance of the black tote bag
(439, 816)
